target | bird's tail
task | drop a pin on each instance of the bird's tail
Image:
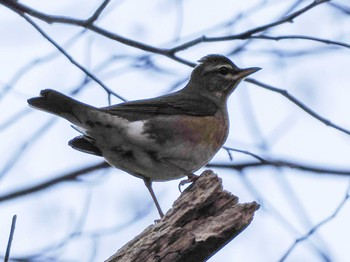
(59, 104)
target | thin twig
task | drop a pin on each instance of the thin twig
(71, 59)
(248, 34)
(281, 180)
(283, 163)
(32, 64)
(19, 152)
(23, 9)
(98, 12)
(71, 176)
(299, 104)
(9, 243)
(244, 152)
(78, 234)
(302, 37)
(317, 226)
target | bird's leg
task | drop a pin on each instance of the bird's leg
(148, 184)
(191, 178)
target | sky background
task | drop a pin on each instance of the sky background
(91, 219)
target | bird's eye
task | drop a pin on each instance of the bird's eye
(223, 70)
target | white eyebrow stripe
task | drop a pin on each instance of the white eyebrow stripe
(214, 68)
(220, 66)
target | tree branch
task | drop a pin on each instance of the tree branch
(71, 176)
(249, 33)
(298, 103)
(98, 12)
(284, 164)
(71, 59)
(302, 37)
(203, 220)
(9, 243)
(23, 9)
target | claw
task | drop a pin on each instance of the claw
(191, 179)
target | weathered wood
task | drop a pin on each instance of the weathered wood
(203, 220)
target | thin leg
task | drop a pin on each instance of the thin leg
(148, 184)
(191, 177)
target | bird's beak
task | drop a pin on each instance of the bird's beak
(247, 71)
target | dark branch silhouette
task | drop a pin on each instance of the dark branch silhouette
(9, 243)
(301, 37)
(285, 164)
(72, 60)
(22, 9)
(71, 176)
(299, 104)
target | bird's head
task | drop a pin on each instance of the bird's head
(217, 76)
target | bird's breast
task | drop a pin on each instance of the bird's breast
(189, 135)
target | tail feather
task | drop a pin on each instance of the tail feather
(58, 104)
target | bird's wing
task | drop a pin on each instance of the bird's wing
(174, 104)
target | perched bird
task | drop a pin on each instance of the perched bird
(158, 139)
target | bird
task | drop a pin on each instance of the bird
(158, 139)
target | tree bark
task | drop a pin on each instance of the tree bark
(202, 220)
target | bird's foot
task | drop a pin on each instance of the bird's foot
(191, 178)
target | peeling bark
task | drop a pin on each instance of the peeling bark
(202, 221)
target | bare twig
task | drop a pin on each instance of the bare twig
(9, 243)
(249, 33)
(245, 152)
(298, 103)
(32, 64)
(94, 235)
(23, 9)
(312, 51)
(71, 176)
(283, 163)
(22, 148)
(317, 226)
(98, 12)
(302, 37)
(71, 59)
(296, 204)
